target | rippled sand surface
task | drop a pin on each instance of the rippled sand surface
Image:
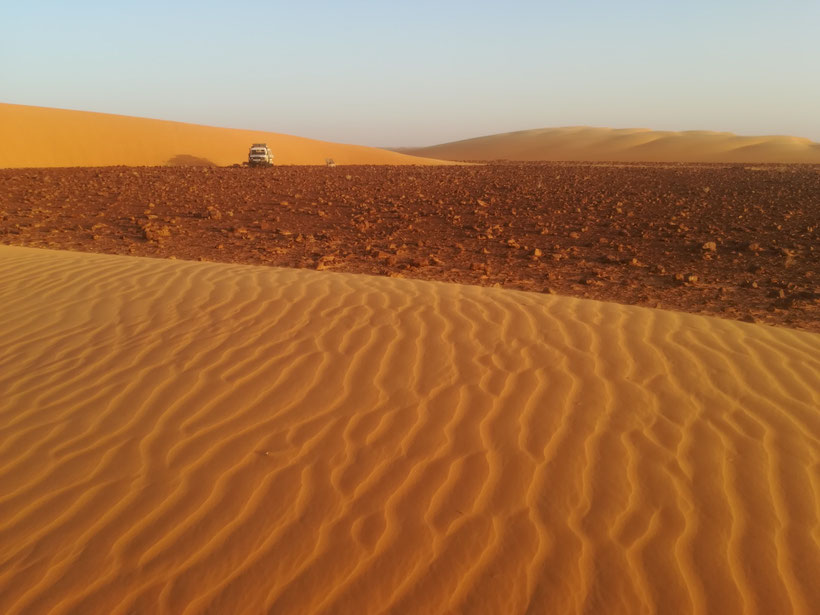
(180, 437)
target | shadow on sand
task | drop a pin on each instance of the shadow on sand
(186, 160)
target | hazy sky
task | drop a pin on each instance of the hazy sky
(422, 72)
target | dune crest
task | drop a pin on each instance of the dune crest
(585, 143)
(44, 137)
(180, 437)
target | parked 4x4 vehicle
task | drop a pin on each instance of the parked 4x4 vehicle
(260, 155)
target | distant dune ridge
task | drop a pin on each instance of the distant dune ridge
(181, 437)
(584, 143)
(46, 137)
(43, 137)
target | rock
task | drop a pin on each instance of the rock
(152, 232)
(709, 246)
(686, 278)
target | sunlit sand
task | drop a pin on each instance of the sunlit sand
(42, 137)
(180, 437)
(627, 145)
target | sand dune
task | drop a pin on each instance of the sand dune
(42, 137)
(180, 437)
(626, 145)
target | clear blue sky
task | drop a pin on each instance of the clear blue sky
(422, 72)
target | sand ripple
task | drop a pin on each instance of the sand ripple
(182, 437)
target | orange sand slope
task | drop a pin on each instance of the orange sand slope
(181, 437)
(626, 145)
(41, 137)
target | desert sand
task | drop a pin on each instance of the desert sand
(585, 143)
(180, 437)
(44, 137)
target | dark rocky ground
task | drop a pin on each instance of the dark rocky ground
(735, 241)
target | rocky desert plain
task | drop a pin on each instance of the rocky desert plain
(465, 383)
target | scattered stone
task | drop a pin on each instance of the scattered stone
(686, 278)
(437, 211)
(152, 232)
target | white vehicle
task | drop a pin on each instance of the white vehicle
(260, 155)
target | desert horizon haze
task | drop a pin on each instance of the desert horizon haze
(421, 73)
